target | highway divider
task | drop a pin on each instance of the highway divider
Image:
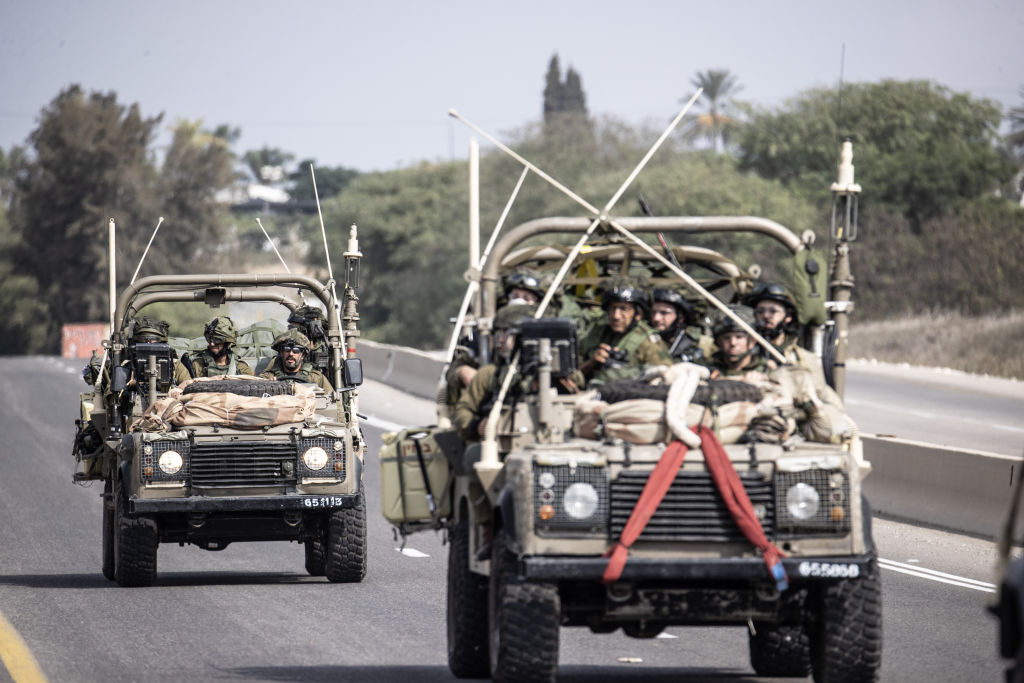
(960, 490)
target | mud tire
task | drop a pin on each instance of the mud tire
(240, 387)
(467, 611)
(316, 557)
(846, 645)
(346, 544)
(108, 529)
(523, 622)
(135, 545)
(780, 651)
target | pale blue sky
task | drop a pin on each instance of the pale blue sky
(368, 84)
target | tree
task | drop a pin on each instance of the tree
(267, 163)
(715, 124)
(918, 148)
(329, 180)
(563, 99)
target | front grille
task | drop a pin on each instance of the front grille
(229, 464)
(563, 477)
(335, 449)
(692, 509)
(833, 513)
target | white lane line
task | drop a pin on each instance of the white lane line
(412, 552)
(380, 423)
(938, 576)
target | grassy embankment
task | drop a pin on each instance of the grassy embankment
(987, 345)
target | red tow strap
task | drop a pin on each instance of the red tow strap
(729, 487)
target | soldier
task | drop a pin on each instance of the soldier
(623, 345)
(473, 406)
(775, 313)
(738, 352)
(292, 349)
(672, 315)
(218, 358)
(522, 286)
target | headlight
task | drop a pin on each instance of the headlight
(315, 458)
(580, 500)
(802, 501)
(170, 462)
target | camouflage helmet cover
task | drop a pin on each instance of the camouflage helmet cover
(290, 337)
(511, 315)
(221, 329)
(150, 329)
(724, 323)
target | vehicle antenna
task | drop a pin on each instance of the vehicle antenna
(274, 246)
(146, 251)
(323, 231)
(646, 208)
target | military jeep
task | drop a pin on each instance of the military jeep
(224, 459)
(538, 509)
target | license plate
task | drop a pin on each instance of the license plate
(829, 570)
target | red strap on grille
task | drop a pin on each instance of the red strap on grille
(662, 476)
(729, 487)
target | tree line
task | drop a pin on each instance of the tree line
(940, 226)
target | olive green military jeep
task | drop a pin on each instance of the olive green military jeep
(223, 459)
(769, 533)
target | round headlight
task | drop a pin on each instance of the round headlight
(546, 480)
(315, 458)
(170, 462)
(802, 501)
(580, 500)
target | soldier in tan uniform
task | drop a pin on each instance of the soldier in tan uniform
(624, 345)
(292, 348)
(738, 352)
(218, 358)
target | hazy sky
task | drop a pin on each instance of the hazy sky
(368, 84)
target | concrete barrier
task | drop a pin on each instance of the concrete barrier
(965, 491)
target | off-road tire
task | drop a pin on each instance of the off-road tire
(523, 622)
(846, 645)
(108, 529)
(240, 387)
(467, 611)
(135, 545)
(780, 651)
(316, 557)
(346, 544)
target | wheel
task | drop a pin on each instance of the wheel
(780, 651)
(108, 529)
(135, 544)
(523, 622)
(316, 557)
(346, 544)
(846, 646)
(467, 611)
(240, 387)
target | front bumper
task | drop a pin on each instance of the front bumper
(799, 569)
(271, 503)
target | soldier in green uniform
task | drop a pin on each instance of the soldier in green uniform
(472, 408)
(674, 317)
(292, 349)
(623, 345)
(738, 352)
(774, 314)
(218, 358)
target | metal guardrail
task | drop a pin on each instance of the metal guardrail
(960, 490)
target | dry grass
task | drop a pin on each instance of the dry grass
(987, 345)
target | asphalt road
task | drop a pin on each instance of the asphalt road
(251, 613)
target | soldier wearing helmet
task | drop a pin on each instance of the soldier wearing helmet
(624, 344)
(291, 362)
(474, 403)
(218, 358)
(522, 286)
(674, 317)
(737, 350)
(775, 316)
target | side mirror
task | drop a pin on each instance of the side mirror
(352, 372)
(119, 380)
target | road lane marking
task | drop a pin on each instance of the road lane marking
(933, 575)
(412, 552)
(21, 665)
(381, 423)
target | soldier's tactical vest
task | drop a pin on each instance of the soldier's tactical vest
(628, 344)
(205, 367)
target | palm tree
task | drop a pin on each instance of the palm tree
(719, 87)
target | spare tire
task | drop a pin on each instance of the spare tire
(714, 393)
(241, 387)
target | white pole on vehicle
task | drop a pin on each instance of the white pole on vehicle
(146, 250)
(111, 271)
(474, 203)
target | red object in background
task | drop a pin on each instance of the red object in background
(79, 340)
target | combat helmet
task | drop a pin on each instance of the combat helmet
(221, 330)
(675, 299)
(625, 291)
(771, 291)
(724, 323)
(523, 278)
(291, 338)
(151, 330)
